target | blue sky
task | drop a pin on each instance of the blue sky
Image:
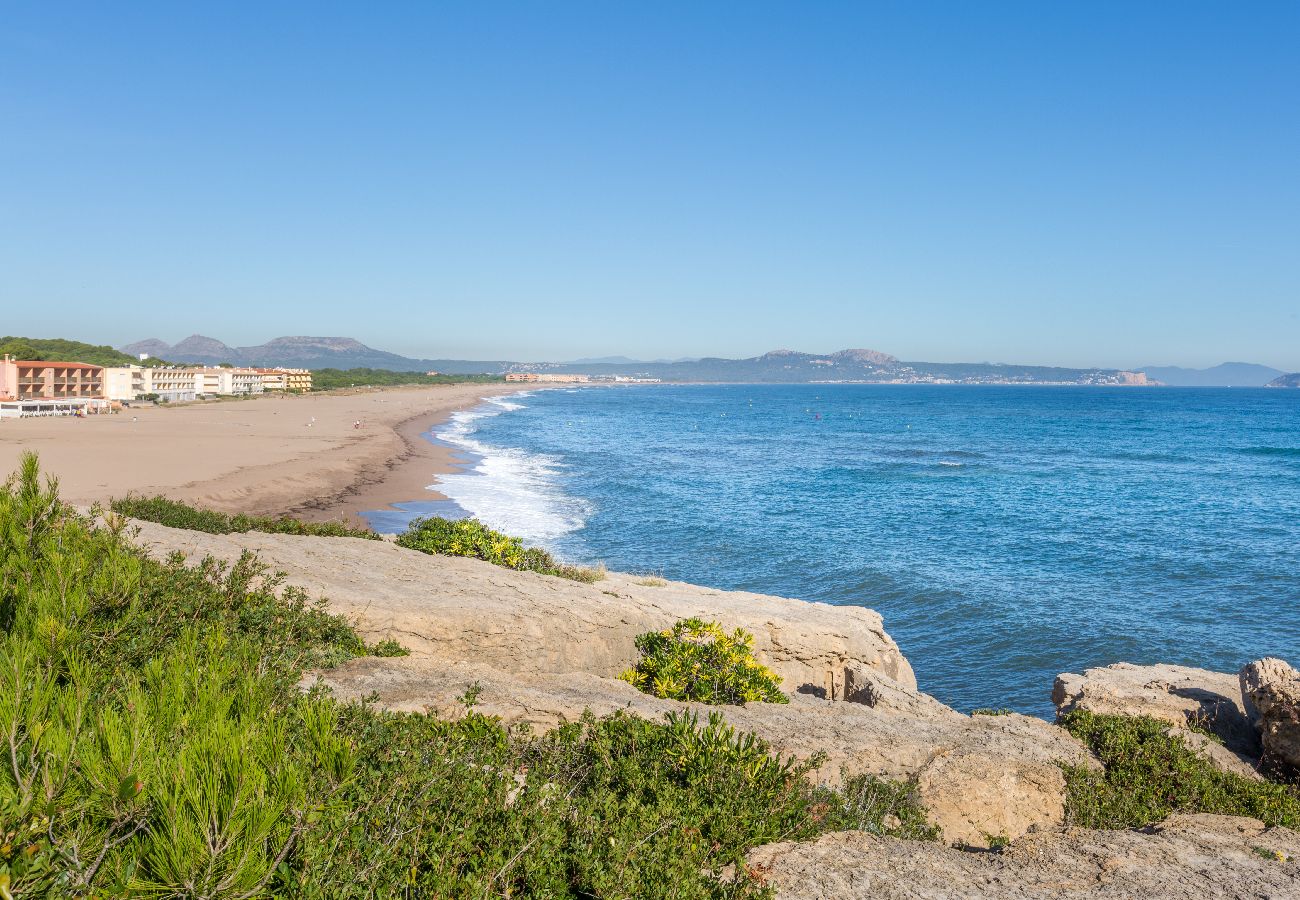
(1080, 184)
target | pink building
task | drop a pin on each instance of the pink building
(44, 380)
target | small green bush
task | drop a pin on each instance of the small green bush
(389, 647)
(1149, 775)
(176, 514)
(470, 537)
(699, 661)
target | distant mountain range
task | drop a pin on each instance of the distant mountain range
(1229, 374)
(1285, 381)
(858, 365)
(304, 353)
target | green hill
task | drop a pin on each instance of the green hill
(61, 350)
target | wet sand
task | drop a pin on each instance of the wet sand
(268, 455)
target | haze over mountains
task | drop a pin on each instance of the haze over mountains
(1229, 374)
(303, 352)
(775, 366)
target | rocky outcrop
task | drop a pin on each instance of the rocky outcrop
(529, 624)
(1185, 858)
(1191, 700)
(543, 650)
(1270, 693)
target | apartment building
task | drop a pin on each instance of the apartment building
(298, 380)
(47, 380)
(274, 379)
(217, 380)
(124, 382)
(171, 384)
(178, 383)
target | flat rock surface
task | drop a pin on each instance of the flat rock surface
(1185, 858)
(535, 624)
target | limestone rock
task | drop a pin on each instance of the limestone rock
(976, 798)
(536, 624)
(1217, 753)
(1270, 691)
(1184, 858)
(1179, 695)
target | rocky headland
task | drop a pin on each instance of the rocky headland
(542, 650)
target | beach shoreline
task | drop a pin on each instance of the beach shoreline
(406, 476)
(304, 455)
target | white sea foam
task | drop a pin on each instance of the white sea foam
(508, 489)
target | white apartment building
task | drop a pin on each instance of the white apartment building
(274, 379)
(124, 382)
(177, 384)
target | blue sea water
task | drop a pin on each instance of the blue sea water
(1006, 534)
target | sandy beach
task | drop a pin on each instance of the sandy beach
(268, 455)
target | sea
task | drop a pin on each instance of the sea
(1006, 533)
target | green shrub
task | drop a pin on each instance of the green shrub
(699, 661)
(176, 514)
(470, 537)
(147, 710)
(1149, 775)
(388, 647)
(157, 744)
(867, 803)
(331, 379)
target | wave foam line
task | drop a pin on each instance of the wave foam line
(509, 489)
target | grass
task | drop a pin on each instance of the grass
(651, 581)
(1149, 775)
(700, 661)
(176, 514)
(471, 538)
(156, 743)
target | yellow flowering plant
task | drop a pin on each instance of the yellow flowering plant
(470, 537)
(700, 661)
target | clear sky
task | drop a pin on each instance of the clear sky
(1091, 183)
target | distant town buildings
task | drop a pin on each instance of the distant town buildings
(548, 377)
(561, 378)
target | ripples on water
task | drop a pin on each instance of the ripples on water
(1006, 534)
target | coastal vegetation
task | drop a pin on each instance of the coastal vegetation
(175, 514)
(68, 351)
(157, 742)
(1149, 774)
(330, 379)
(700, 661)
(470, 537)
